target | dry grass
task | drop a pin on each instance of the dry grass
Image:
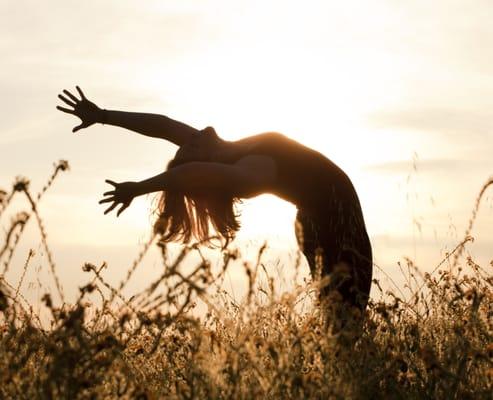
(436, 344)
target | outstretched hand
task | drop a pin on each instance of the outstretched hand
(86, 110)
(123, 193)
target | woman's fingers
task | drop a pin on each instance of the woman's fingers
(75, 99)
(81, 92)
(113, 206)
(106, 200)
(117, 197)
(81, 126)
(110, 208)
(66, 101)
(66, 110)
(122, 208)
(111, 182)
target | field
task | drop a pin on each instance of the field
(432, 340)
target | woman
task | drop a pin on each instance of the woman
(208, 175)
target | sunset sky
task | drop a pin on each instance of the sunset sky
(398, 94)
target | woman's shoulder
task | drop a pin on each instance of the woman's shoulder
(262, 137)
(274, 144)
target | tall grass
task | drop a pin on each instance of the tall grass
(435, 343)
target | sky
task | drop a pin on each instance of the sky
(398, 94)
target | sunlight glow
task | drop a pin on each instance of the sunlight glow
(316, 94)
(369, 84)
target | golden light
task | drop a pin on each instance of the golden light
(320, 94)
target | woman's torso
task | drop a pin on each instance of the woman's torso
(305, 177)
(322, 192)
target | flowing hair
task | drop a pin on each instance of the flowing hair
(201, 216)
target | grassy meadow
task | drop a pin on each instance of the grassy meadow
(432, 340)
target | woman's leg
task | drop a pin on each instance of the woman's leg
(307, 240)
(348, 271)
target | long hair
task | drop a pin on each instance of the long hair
(202, 216)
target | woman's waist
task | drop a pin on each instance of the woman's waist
(333, 219)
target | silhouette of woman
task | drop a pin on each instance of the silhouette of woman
(208, 175)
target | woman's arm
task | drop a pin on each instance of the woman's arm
(250, 176)
(153, 125)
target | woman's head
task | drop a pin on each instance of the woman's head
(200, 216)
(201, 148)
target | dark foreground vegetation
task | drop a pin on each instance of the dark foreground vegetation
(433, 340)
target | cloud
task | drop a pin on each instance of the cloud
(457, 122)
(427, 165)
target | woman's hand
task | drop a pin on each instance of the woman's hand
(123, 193)
(86, 110)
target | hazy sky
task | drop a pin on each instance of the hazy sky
(399, 94)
